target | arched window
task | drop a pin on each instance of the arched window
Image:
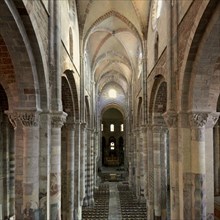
(112, 127)
(122, 127)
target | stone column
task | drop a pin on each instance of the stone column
(6, 147)
(11, 162)
(144, 155)
(150, 176)
(57, 121)
(142, 161)
(184, 144)
(157, 170)
(96, 151)
(86, 171)
(198, 121)
(217, 158)
(131, 160)
(70, 139)
(30, 123)
(44, 175)
(12, 136)
(164, 150)
(77, 164)
(137, 163)
(89, 200)
(83, 161)
(209, 162)
(176, 209)
(93, 172)
(4, 192)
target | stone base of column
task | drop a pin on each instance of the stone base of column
(150, 211)
(78, 213)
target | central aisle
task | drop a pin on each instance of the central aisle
(114, 202)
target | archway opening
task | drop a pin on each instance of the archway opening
(112, 138)
(112, 145)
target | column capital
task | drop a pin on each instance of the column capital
(212, 119)
(28, 118)
(203, 119)
(12, 116)
(83, 125)
(58, 119)
(171, 119)
(70, 122)
(144, 128)
(157, 128)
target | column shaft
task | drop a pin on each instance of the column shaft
(82, 161)
(157, 170)
(30, 124)
(77, 164)
(44, 175)
(70, 172)
(57, 121)
(150, 199)
(217, 159)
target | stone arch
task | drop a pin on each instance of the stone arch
(159, 84)
(116, 106)
(196, 58)
(8, 79)
(200, 89)
(159, 180)
(74, 92)
(67, 97)
(25, 52)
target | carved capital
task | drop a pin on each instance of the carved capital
(70, 122)
(171, 119)
(12, 117)
(144, 128)
(156, 129)
(58, 119)
(198, 119)
(83, 125)
(212, 119)
(28, 118)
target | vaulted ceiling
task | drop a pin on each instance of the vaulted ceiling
(112, 33)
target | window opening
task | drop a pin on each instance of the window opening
(112, 127)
